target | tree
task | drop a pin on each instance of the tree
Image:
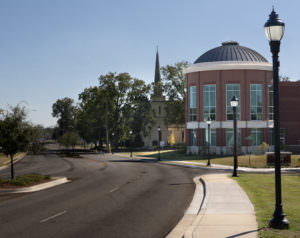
(14, 133)
(127, 103)
(70, 138)
(174, 83)
(171, 140)
(35, 134)
(283, 78)
(90, 116)
(263, 147)
(64, 110)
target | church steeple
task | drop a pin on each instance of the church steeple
(157, 77)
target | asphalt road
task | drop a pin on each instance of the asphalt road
(107, 197)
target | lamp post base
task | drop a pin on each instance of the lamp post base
(235, 174)
(279, 221)
(208, 163)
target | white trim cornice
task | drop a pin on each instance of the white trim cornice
(228, 65)
(229, 124)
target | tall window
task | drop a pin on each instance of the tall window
(213, 137)
(232, 90)
(193, 103)
(256, 136)
(256, 101)
(271, 104)
(193, 137)
(230, 137)
(209, 101)
(271, 136)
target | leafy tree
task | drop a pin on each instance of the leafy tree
(35, 134)
(174, 83)
(128, 106)
(70, 138)
(64, 110)
(263, 147)
(171, 140)
(90, 116)
(14, 133)
(283, 78)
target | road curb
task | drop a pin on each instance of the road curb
(57, 181)
(191, 214)
(189, 232)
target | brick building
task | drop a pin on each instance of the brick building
(290, 114)
(214, 78)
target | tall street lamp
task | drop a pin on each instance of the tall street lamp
(130, 141)
(158, 130)
(208, 122)
(274, 29)
(234, 104)
(112, 144)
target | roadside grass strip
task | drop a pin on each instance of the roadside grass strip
(24, 180)
(260, 189)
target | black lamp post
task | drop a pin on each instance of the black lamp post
(274, 29)
(208, 122)
(158, 130)
(234, 103)
(130, 132)
(112, 143)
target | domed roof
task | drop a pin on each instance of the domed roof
(230, 51)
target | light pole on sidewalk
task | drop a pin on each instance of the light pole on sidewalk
(158, 130)
(208, 122)
(274, 29)
(234, 104)
(112, 143)
(130, 143)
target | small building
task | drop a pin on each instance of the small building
(214, 78)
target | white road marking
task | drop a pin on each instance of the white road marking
(52, 217)
(116, 188)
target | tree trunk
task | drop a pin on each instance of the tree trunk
(12, 167)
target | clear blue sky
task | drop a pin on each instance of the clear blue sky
(51, 49)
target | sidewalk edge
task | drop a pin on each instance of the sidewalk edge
(192, 211)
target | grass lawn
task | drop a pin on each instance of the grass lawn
(253, 161)
(260, 190)
(4, 160)
(24, 180)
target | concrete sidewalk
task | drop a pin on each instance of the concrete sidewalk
(195, 164)
(225, 211)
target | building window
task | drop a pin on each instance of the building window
(193, 137)
(232, 90)
(193, 103)
(209, 101)
(159, 110)
(271, 136)
(230, 137)
(271, 104)
(213, 137)
(256, 101)
(256, 136)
